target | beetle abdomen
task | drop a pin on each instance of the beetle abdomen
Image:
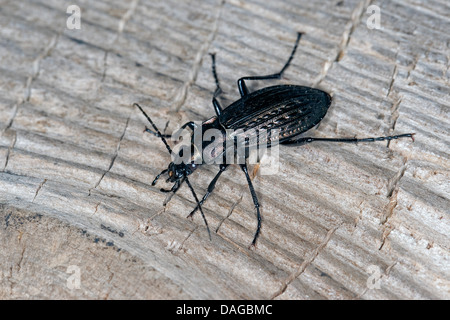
(289, 109)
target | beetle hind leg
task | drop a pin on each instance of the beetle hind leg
(305, 140)
(243, 90)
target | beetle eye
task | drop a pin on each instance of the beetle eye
(170, 174)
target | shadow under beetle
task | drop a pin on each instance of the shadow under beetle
(290, 109)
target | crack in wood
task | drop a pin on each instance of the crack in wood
(391, 84)
(36, 69)
(307, 262)
(175, 247)
(113, 159)
(253, 174)
(10, 148)
(349, 28)
(230, 212)
(37, 66)
(121, 26)
(394, 109)
(96, 207)
(394, 181)
(39, 189)
(394, 115)
(181, 95)
(384, 275)
(22, 254)
(392, 194)
(105, 63)
(355, 20)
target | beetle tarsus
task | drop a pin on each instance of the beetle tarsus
(159, 135)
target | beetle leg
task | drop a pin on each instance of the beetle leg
(156, 132)
(174, 188)
(255, 202)
(173, 191)
(216, 79)
(199, 205)
(159, 135)
(159, 175)
(218, 90)
(243, 90)
(189, 124)
(211, 187)
(217, 107)
(301, 141)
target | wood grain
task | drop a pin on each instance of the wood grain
(339, 221)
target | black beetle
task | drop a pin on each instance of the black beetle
(283, 112)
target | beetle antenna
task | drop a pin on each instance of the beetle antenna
(172, 191)
(199, 206)
(155, 128)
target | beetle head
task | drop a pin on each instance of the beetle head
(178, 171)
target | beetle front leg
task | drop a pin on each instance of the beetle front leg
(173, 191)
(159, 175)
(174, 188)
(211, 187)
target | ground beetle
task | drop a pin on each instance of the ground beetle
(289, 109)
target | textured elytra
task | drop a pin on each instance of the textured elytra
(289, 109)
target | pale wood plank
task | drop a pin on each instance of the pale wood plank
(76, 167)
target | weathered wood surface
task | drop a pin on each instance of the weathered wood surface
(76, 167)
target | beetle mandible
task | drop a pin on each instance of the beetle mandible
(282, 111)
